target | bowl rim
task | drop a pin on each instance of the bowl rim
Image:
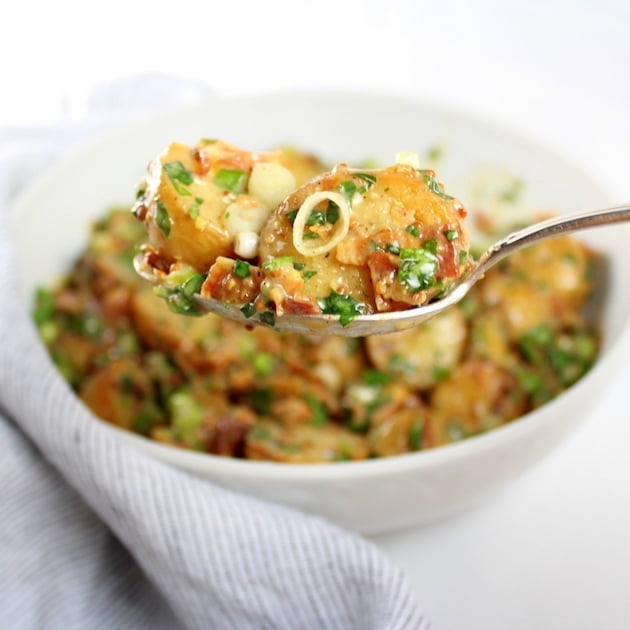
(339, 471)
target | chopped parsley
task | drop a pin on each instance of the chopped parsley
(248, 309)
(343, 305)
(418, 268)
(179, 299)
(309, 273)
(162, 219)
(268, 317)
(433, 185)
(348, 188)
(414, 230)
(369, 179)
(322, 217)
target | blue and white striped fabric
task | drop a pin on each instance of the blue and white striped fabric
(94, 534)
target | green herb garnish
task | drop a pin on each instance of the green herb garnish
(274, 263)
(415, 434)
(418, 268)
(320, 413)
(44, 306)
(433, 185)
(231, 179)
(268, 317)
(177, 172)
(343, 305)
(414, 230)
(348, 188)
(375, 377)
(248, 309)
(369, 179)
(241, 269)
(162, 219)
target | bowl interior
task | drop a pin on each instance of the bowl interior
(50, 221)
(56, 211)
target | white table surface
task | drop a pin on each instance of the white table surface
(553, 551)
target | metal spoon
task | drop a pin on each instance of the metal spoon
(379, 323)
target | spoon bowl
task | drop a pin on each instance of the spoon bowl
(392, 321)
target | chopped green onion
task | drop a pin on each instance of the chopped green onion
(451, 235)
(414, 230)
(177, 172)
(241, 269)
(231, 179)
(44, 306)
(262, 363)
(375, 377)
(348, 188)
(309, 273)
(274, 263)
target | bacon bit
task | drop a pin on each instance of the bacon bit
(157, 261)
(449, 261)
(140, 209)
(230, 431)
(202, 161)
(299, 305)
(223, 285)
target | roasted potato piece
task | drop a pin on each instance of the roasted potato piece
(476, 397)
(387, 238)
(198, 201)
(161, 329)
(421, 356)
(121, 393)
(547, 283)
(304, 444)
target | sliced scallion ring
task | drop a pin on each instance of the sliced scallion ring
(308, 247)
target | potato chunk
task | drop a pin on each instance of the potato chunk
(193, 194)
(403, 242)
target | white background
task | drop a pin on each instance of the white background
(553, 551)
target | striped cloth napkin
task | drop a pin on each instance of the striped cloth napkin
(95, 534)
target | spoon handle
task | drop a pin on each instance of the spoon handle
(548, 229)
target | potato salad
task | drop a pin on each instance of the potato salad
(518, 340)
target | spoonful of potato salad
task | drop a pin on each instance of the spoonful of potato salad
(275, 239)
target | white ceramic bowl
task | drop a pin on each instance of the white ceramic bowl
(375, 495)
